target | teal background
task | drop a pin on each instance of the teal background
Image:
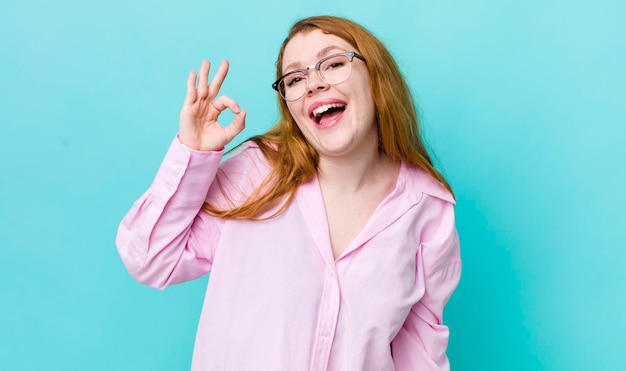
(523, 102)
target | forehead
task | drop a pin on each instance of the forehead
(307, 48)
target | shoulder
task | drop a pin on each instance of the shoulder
(422, 183)
(437, 227)
(248, 155)
(245, 163)
(243, 171)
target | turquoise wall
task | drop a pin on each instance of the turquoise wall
(524, 102)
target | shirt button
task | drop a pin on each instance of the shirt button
(326, 332)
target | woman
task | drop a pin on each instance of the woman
(330, 239)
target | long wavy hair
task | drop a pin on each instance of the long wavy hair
(293, 159)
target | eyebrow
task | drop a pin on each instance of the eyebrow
(321, 54)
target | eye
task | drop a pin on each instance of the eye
(334, 63)
(294, 79)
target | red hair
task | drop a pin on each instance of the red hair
(293, 159)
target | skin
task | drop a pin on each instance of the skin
(354, 176)
(199, 128)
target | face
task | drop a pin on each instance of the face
(337, 120)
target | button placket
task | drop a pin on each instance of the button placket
(329, 313)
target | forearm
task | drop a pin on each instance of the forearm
(165, 238)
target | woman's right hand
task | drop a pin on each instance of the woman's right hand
(199, 128)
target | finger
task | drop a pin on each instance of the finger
(236, 126)
(191, 88)
(218, 79)
(203, 80)
(224, 102)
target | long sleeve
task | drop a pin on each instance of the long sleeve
(422, 341)
(165, 238)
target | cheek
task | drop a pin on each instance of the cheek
(296, 112)
(293, 109)
(369, 107)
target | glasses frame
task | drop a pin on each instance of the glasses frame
(316, 66)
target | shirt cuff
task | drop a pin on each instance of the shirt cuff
(185, 174)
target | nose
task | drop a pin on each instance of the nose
(315, 82)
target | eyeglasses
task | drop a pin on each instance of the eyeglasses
(333, 69)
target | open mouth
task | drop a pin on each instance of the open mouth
(327, 112)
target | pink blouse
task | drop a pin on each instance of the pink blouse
(276, 298)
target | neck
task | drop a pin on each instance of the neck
(355, 172)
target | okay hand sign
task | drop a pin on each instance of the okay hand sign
(199, 128)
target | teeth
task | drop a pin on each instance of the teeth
(322, 109)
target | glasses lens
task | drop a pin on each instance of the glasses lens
(292, 86)
(335, 69)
